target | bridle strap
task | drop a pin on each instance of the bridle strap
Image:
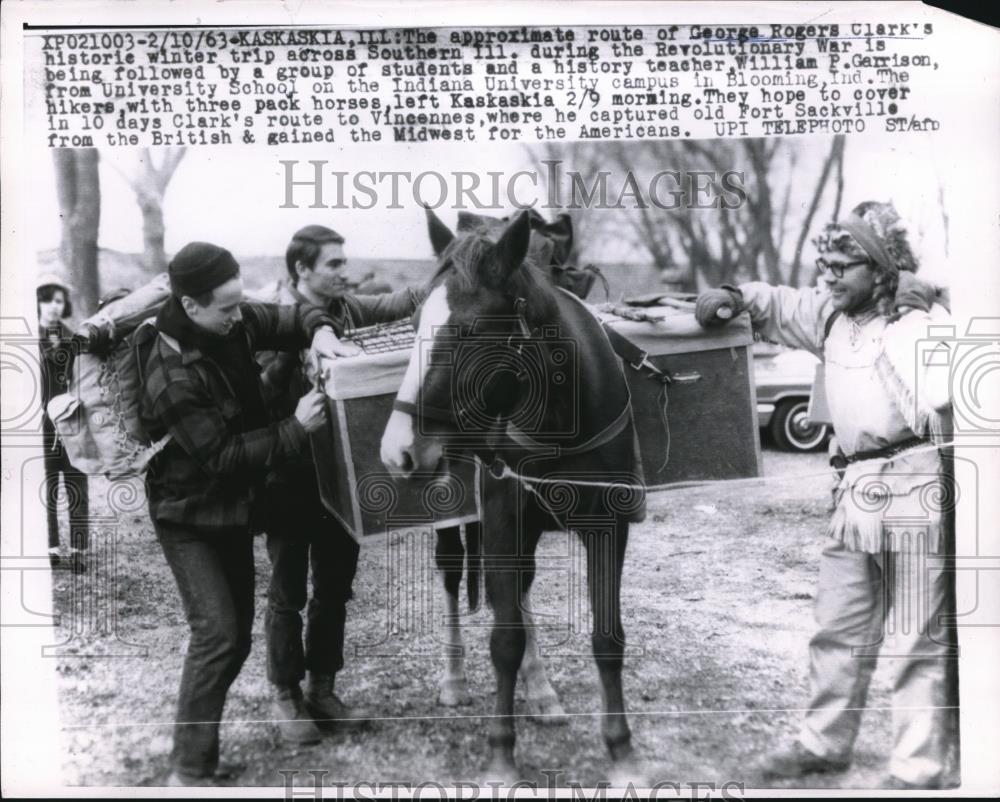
(424, 411)
(525, 441)
(603, 437)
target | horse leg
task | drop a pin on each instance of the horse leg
(453, 687)
(508, 555)
(605, 557)
(543, 702)
(506, 650)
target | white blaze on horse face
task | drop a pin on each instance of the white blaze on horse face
(399, 452)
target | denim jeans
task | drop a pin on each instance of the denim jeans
(215, 578)
(301, 534)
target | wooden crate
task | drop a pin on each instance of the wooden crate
(354, 485)
(710, 430)
(711, 427)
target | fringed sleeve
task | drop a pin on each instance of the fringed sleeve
(914, 368)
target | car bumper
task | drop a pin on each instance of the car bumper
(764, 413)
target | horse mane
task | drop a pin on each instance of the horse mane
(457, 264)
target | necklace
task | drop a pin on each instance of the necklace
(858, 321)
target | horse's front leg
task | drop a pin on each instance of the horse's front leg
(453, 688)
(542, 701)
(605, 557)
(508, 561)
(507, 641)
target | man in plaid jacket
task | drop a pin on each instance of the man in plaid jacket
(203, 388)
(300, 533)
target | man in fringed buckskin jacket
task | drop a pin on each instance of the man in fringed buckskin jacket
(883, 590)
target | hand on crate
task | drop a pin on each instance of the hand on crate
(311, 410)
(326, 343)
(718, 306)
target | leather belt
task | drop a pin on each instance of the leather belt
(840, 461)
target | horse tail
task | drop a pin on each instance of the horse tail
(473, 563)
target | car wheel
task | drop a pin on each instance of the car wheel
(791, 429)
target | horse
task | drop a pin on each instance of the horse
(519, 373)
(549, 247)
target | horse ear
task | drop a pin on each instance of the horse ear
(441, 235)
(512, 247)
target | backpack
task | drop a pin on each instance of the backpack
(97, 419)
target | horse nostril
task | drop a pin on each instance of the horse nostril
(406, 463)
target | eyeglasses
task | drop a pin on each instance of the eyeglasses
(838, 268)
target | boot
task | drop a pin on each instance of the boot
(178, 779)
(78, 561)
(794, 760)
(329, 709)
(288, 712)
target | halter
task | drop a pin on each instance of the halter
(454, 417)
(522, 439)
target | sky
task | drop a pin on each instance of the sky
(233, 196)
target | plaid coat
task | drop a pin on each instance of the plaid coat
(209, 473)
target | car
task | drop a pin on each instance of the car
(784, 380)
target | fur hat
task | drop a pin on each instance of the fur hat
(883, 221)
(873, 231)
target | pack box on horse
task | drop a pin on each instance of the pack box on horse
(520, 373)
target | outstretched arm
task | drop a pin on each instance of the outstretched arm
(791, 316)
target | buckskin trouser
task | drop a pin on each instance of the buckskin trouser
(215, 577)
(875, 608)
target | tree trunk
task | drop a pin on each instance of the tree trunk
(149, 183)
(153, 253)
(86, 226)
(78, 188)
(64, 160)
(835, 149)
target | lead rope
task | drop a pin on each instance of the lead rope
(508, 473)
(666, 424)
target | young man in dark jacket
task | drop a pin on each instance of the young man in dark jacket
(203, 388)
(301, 532)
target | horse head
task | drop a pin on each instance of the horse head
(470, 370)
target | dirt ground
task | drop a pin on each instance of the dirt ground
(717, 602)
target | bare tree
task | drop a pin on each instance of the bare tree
(149, 183)
(78, 189)
(835, 156)
(553, 161)
(695, 246)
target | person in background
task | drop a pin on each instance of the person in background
(57, 355)
(202, 386)
(885, 590)
(300, 532)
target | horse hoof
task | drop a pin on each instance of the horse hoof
(454, 693)
(499, 775)
(547, 710)
(628, 771)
